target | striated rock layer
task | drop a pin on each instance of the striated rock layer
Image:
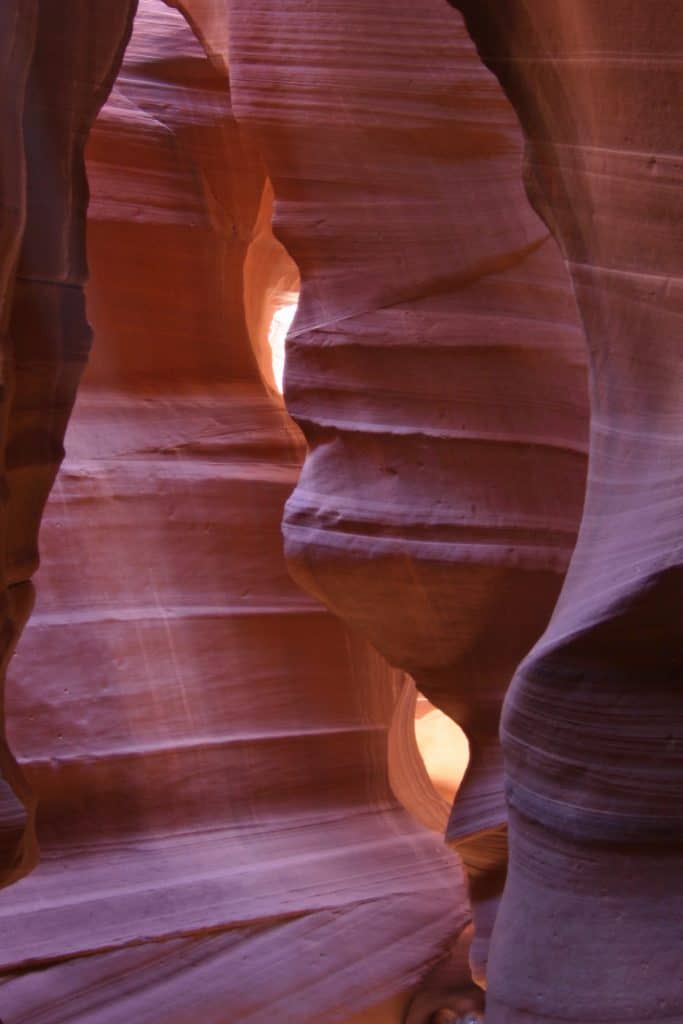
(435, 366)
(592, 723)
(207, 743)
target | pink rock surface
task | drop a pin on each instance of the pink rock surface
(592, 725)
(208, 744)
(435, 365)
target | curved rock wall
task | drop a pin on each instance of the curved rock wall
(435, 365)
(60, 62)
(208, 744)
(592, 724)
(17, 36)
(436, 368)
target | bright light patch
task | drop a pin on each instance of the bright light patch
(277, 334)
(443, 746)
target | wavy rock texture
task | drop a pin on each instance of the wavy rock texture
(209, 746)
(58, 63)
(592, 724)
(436, 365)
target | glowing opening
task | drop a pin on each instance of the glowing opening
(281, 321)
(443, 747)
(428, 755)
(271, 294)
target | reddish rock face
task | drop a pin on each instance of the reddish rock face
(591, 728)
(207, 743)
(58, 62)
(435, 365)
(409, 520)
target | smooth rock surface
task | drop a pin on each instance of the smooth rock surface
(592, 724)
(435, 365)
(208, 744)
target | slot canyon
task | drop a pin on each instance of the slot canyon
(342, 505)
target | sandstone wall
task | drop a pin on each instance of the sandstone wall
(591, 728)
(436, 365)
(207, 743)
